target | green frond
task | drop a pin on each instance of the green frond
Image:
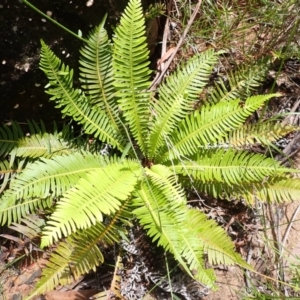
(96, 74)
(82, 251)
(209, 126)
(44, 180)
(228, 166)
(45, 145)
(166, 222)
(57, 271)
(8, 169)
(86, 255)
(272, 190)
(264, 133)
(5, 173)
(239, 84)
(178, 95)
(99, 192)
(9, 136)
(73, 102)
(13, 211)
(214, 240)
(131, 71)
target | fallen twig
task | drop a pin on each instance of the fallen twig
(158, 80)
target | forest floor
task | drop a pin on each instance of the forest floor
(267, 236)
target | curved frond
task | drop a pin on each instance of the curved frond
(44, 179)
(228, 166)
(31, 228)
(96, 74)
(131, 71)
(86, 255)
(273, 189)
(57, 271)
(82, 249)
(45, 145)
(100, 192)
(239, 84)
(73, 102)
(7, 169)
(9, 136)
(214, 240)
(166, 222)
(264, 133)
(209, 125)
(178, 95)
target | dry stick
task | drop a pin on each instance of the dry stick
(157, 80)
(165, 36)
(287, 232)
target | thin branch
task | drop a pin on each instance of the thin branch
(158, 80)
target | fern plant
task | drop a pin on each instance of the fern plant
(162, 148)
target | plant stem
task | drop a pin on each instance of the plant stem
(55, 22)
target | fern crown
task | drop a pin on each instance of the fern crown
(161, 145)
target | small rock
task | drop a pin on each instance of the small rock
(89, 3)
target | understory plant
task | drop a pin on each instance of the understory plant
(161, 144)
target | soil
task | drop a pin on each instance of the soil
(21, 28)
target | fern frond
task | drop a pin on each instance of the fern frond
(131, 71)
(8, 169)
(264, 133)
(228, 166)
(73, 102)
(273, 189)
(57, 271)
(214, 240)
(100, 192)
(45, 179)
(96, 74)
(32, 227)
(241, 83)
(165, 221)
(45, 145)
(5, 173)
(82, 251)
(178, 95)
(9, 137)
(86, 255)
(209, 125)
